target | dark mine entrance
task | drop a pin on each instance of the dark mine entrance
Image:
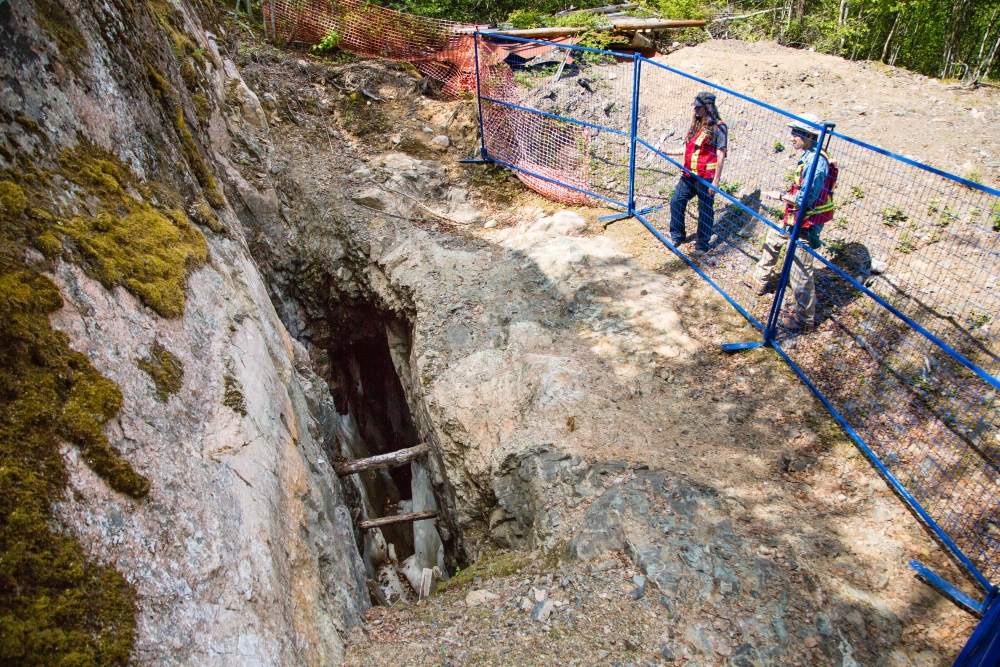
(365, 385)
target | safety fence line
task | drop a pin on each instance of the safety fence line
(942, 493)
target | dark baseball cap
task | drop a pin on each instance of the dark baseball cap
(705, 99)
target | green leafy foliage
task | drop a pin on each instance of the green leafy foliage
(893, 216)
(941, 39)
(729, 187)
(329, 43)
(525, 18)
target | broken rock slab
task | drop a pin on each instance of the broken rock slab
(373, 198)
(479, 597)
(562, 223)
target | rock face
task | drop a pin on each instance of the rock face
(243, 553)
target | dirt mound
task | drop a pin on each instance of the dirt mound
(935, 122)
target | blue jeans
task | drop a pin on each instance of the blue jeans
(688, 188)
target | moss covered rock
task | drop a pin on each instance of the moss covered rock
(164, 369)
(56, 606)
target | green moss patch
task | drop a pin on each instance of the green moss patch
(170, 102)
(61, 25)
(164, 369)
(146, 251)
(233, 397)
(56, 606)
(128, 242)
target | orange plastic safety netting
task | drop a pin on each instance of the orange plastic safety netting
(542, 148)
(442, 50)
(445, 51)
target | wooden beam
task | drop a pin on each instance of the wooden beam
(609, 9)
(397, 518)
(619, 24)
(381, 461)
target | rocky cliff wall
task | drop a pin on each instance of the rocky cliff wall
(240, 548)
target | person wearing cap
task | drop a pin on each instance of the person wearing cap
(704, 155)
(802, 314)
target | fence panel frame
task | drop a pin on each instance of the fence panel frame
(985, 642)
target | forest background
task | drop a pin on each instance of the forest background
(949, 39)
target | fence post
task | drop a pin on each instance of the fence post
(633, 132)
(793, 237)
(479, 97)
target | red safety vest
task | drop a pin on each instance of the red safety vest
(700, 156)
(823, 207)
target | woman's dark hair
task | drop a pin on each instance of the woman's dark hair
(707, 122)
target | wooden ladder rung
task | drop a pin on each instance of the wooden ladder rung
(397, 518)
(396, 458)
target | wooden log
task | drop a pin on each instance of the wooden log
(397, 518)
(381, 461)
(632, 23)
(608, 9)
(618, 24)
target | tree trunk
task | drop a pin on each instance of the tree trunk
(389, 460)
(885, 49)
(272, 21)
(955, 27)
(982, 46)
(989, 61)
(800, 9)
(396, 518)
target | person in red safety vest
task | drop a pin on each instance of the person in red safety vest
(818, 203)
(704, 155)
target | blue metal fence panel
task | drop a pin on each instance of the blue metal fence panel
(904, 343)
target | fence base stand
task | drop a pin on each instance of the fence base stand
(473, 160)
(950, 591)
(749, 345)
(609, 219)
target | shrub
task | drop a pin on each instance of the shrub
(330, 42)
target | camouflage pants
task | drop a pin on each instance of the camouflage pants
(800, 281)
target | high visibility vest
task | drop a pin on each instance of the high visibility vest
(701, 156)
(823, 207)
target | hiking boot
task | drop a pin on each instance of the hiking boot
(792, 324)
(759, 287)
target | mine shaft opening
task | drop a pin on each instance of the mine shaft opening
(365, 348)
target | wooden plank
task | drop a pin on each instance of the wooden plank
(381, 461)
(623, 24)
(397, 518)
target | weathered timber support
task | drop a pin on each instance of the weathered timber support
(389, 460)
(397, 518)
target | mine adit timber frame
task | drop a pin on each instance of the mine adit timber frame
(941, 457)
